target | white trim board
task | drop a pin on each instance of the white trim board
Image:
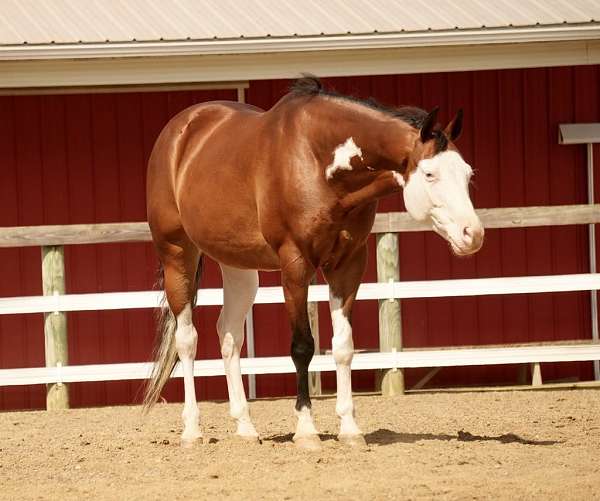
(257, 66)
(274, 295)
(241, 45)
(321, 363)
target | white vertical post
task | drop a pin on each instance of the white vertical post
(241, 95)
(314, 378)
(250, 349)
(592, 253)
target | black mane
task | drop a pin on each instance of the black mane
(310, 85)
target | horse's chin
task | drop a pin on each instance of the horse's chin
(463, 250)
(460, 252)
(458, 248)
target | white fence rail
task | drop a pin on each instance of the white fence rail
(320, 363)
(274, 295)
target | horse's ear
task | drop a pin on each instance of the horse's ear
(454, 128)
(428, 125)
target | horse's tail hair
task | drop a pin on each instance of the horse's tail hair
(165, 352)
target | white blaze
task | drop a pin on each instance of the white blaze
(342, 156)
(438, 191)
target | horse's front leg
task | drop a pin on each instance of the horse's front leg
(296, 274)
(343, 281)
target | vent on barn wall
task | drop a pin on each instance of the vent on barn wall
(587, 134)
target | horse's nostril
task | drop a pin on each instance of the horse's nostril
(468, 234)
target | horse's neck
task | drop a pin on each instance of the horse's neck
(380, 137)
(384, 144)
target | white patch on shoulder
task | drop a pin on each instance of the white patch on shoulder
(342, 156)
(398, 177)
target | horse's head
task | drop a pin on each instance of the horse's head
(436, 186)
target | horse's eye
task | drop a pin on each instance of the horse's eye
(429, 176)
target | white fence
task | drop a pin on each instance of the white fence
(393, 290)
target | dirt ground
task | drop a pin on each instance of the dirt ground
(500, 445)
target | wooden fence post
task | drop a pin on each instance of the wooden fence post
(314, 378)
(391, 381)
(536, 374)
(55, 324)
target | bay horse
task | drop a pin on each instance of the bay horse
(295, 189)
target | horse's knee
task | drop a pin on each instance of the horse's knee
(343, 356)
(342, 345)
(303, 349)
(342, 348)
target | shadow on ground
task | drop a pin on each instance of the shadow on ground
(386, 437)
(279, 439)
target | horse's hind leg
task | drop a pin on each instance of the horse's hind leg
(180, 264)
(239, 290)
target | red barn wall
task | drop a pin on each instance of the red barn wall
(69, 159)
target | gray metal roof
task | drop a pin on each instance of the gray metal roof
(35, 23)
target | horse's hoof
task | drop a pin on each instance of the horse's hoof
(352, 440)
(188, 442)
(308, 442)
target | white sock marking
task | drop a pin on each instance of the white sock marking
(185, 341)
(342, 156)
(239, 289)
(305, 426)
(343, 351)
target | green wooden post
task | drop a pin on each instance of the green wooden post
(55, 324)
(390, 382)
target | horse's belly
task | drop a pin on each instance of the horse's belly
(241, 253)
(230, 238)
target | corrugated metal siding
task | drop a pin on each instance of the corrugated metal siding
(70, 21)
(81, 159)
